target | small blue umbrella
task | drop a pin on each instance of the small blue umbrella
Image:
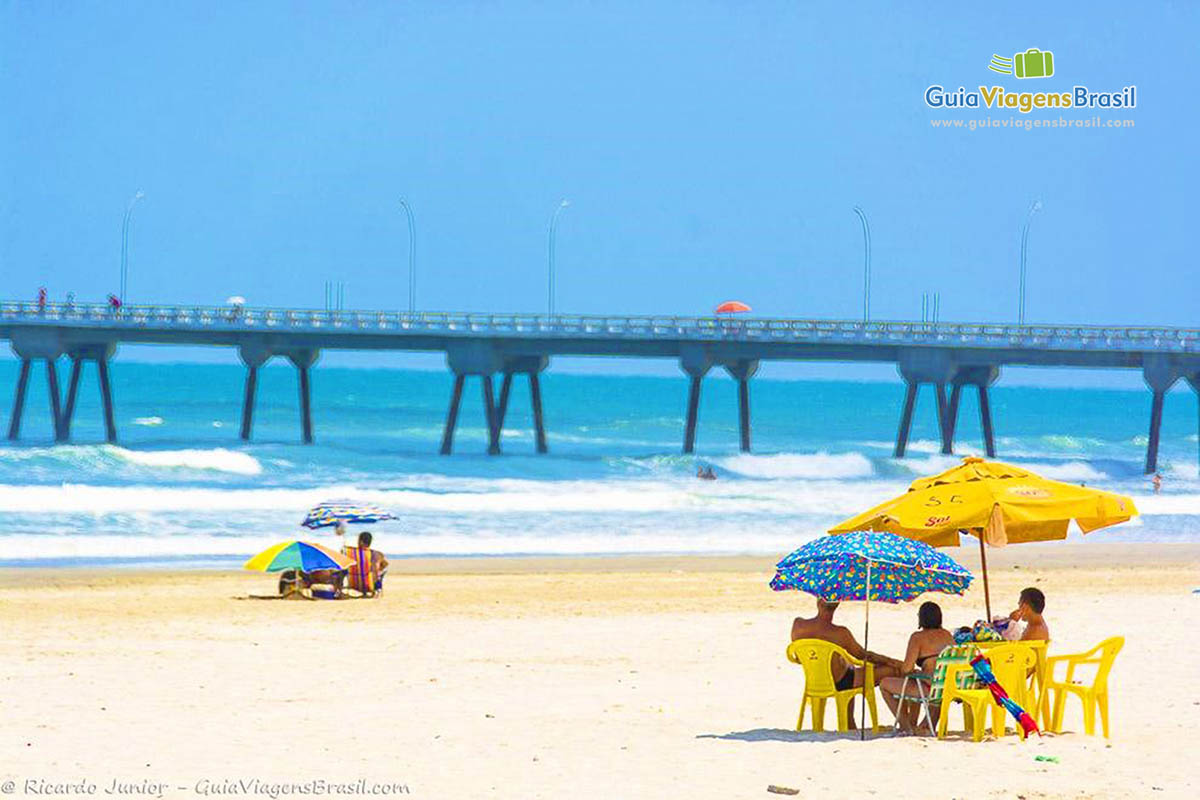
(869, 566)
(332, 512)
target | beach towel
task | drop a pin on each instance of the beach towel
(362, 575)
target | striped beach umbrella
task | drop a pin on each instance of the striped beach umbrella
(304, 556)
(331, 512)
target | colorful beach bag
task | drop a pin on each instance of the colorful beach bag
(953, 654)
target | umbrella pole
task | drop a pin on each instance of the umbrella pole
(862, 714)
(987, 597)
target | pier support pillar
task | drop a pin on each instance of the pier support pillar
(985, 421)
(951, 417)
(981, 376)
(303, 361)
(78, 354)
(1160, 374)
(945, 426)
(502, 404)
(29, 345)
(452, 414)
(693, 411)
(68, 414)
(932, 366)
(906, 415)
(532, 366)
(253, 354)
(1194, 381)
(55, 398)
(535, 399)
(14, 422)
(1156, 409)
(248, 402)
(491, 414)
(742, 371)
(475, 357)
(696, 362)
(110, 424)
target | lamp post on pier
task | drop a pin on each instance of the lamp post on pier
(1033, 209)
(866, 229)
(412, 257)
(125, 242)
(550, 254)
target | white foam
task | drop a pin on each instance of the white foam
(443, 494)
(106, 457)
(219, 459)
(1070, 472)
(793, 465)
(149, 422)
(1176, 504)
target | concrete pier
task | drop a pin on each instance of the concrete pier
(947, 356)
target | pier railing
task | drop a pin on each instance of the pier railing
(699, 328)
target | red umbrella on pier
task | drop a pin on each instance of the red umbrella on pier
(732, 307)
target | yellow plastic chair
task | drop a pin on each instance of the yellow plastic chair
(1011, 664)
(815, 655)
(1094, 696)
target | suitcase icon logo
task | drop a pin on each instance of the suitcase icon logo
(1033, 63)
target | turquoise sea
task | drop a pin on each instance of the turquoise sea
(180, 487)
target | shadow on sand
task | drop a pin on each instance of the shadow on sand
(785, 735)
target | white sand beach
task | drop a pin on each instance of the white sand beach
(552, 678)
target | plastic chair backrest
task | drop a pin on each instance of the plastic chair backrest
(953, 654)
(1011, 664)
(815, 656)
(1108, 650)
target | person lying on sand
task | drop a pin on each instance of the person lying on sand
(297, 580)
(845, 677)
(924, 646)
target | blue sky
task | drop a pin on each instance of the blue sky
(709, 151)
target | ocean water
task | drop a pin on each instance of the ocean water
(181, 487)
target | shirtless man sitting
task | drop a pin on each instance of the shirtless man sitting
(845, 677)
(1030, 606)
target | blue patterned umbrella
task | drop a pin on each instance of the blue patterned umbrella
(332, 512)
(869, 566)
(895, 569)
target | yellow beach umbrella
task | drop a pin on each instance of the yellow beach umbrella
(999, 503)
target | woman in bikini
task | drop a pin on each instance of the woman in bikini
(923, 648)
